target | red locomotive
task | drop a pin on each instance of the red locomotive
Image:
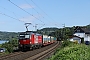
(30, 40)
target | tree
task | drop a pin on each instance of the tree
(10, 45)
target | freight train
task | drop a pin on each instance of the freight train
(31, 40)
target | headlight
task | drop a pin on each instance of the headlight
(30, 42)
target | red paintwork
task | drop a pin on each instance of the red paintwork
(32, 39)
(24, 41)
(39, 39)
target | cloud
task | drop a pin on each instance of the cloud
(26, 6)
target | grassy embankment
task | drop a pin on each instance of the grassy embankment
(72, 51)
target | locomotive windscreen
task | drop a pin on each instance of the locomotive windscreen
(24, 36)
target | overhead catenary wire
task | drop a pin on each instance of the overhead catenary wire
(42, 10)
(41, 26)
(37, 25)
(28, 12)
(9, 11)
(37, 13)
(32, 7)
(7, 15)
(10, 17)
(13, 14)
(24, 10)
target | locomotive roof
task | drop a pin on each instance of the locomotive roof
(30, 32)
(26, 33)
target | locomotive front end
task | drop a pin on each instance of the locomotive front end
(24, 41)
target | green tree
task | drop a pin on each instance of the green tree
(10, 45)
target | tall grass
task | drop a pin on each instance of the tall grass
(72, 51)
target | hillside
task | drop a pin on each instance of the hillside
(47, 31)
(8, 35)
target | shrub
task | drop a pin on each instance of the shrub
(73, 52)
(66, 43)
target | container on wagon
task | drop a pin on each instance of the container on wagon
(45, 40)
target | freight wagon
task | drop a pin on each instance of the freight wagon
(30, 40)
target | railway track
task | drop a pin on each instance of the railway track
(43, 55)
(10, 55)
(36, 54)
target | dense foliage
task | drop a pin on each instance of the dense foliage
(62, 33)
(47, 31)
(8, 35)
(0, 45)
(9, 46)
(72, 52)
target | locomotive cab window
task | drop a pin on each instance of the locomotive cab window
(21, 36)
(24, 36)
(27, 36)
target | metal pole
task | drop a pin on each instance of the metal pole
(63, 30)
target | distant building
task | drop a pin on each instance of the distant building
(75, 39)
(82, 33)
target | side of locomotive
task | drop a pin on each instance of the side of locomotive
(30, 40)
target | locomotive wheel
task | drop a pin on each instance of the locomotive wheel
(39, 46)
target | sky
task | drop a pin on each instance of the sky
(43, 13)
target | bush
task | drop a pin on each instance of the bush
(73, 52)
(66, 43)
(9, 47)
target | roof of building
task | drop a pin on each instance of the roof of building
(74, 36)
(84, 30)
